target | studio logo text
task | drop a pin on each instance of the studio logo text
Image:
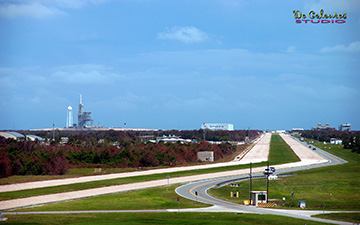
(321, 17)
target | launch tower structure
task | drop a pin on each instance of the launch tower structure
(84, 118)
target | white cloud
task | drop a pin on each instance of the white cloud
(84, 74)
(291, 49)
(187, 35)
(76, 3)
(33, 10)
(352, 47)
(41, 9)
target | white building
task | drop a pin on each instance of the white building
(32, 137)
(171, 139)
(335, 141)
(13, 135)
(217, 126)
(345, 127)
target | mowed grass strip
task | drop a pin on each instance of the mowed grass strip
(280, 152)
(152, 198)
(195, 218)
(118, 181)
(329, 188)
(347, 217)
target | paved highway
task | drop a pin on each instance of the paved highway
(197, 191)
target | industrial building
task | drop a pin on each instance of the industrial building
(345, 127)
(326, 127)
(217, 126)
(13, 135)
(84, 118)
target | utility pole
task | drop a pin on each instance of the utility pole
(204, 132)
(53, 131)
(250, 183)
(168, 179)
(267, 182)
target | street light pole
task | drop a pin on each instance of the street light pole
(250, 183)
(53, 132)
(168, 178)
(267, 182)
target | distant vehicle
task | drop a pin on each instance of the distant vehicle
(314, 148)
(272, 169)
(267, 171)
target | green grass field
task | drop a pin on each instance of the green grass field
(103, 183)
(195, 218)
(347, 217)
(276, 157)
(153, 198)
(314, 186)
(280, 152)
(332, 187)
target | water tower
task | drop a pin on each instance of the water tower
(69, 117)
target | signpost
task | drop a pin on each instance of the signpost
(178, 199)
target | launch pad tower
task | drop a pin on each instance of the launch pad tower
(84, 118)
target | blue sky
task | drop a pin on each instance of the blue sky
(176, 64)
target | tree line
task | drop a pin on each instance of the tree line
(350, 139)
(109, 149)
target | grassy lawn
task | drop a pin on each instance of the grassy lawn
(280, 152)
(347, 217)
(153, 198)
(195, 218)
(103, 183)
(332, 187)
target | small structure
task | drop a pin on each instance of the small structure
(273, 177)
(206, 156)
(345, 127)
(335, 141)
(64, 140)
(234, 194)
(321, 127)
(302, 204)
(32, 137)
(171, 139)
(258, 197)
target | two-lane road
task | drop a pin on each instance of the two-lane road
(198, 191)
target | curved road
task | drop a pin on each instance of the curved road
(200, 187)
(197, 191)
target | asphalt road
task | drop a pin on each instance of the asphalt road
(197, 191)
